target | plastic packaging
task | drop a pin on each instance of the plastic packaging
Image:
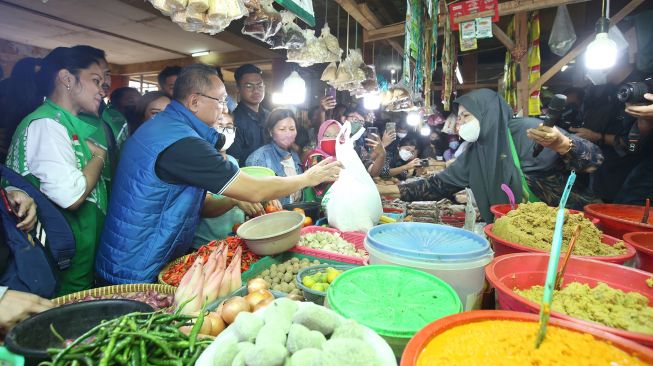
(263, 23)
(291, 36)
(524, 270)
(329, 73)
(563, 34)
(317, 50)
(454, 255)
(354, 181)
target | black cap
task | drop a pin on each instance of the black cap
(246, 69)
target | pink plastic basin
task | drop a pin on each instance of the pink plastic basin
(524, 270)
(643, 244)
(503, 247)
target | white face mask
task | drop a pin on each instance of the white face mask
(405, 155)
(470, 130)
(229, 139)
(401, 135)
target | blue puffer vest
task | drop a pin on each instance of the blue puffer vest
(150, 222)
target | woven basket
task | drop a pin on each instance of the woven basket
(116, 289)
(167, 267)
(312, 295)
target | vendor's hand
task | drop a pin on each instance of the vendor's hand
(549, 137)
(327, 103)
(391, 190)
(388, 138)
(16, 306)
(251, 209)
(96, 150)
(25, 209)
(413, 164)
(277, 204)
(375, 144)
(641, 111)
(328, 170)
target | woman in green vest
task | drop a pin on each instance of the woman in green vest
(51, 148)
(501, 152)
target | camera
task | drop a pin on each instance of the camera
(424, 162)
(634, 92)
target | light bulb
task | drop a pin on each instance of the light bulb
(564, 68)
(394, 81)
(601, 53)
(425, 130)
(392, 71)
(294, 89)
(412, 119)
(372, 101)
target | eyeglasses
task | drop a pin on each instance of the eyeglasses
(250, 86)
(223, 101)
(228, 130)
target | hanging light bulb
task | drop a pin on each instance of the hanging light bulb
(412, 119)
(394, 81)
(294, 89)
(372, 101)
(425, 130)
(392, 71)
(602, 52)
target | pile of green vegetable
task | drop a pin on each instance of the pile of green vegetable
(135, 339)
(331, 242)
(289, 335)
(281, 277)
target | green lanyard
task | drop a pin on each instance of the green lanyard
(528, 194)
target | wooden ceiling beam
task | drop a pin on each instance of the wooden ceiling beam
(366, 18)
(505, 8)
(580, 47)
(226, 59)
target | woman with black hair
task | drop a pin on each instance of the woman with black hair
(52, 150)
(406, 160)
(278, 154)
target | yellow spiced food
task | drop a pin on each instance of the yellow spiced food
(532, 225)
(512, 343)
(601, 304)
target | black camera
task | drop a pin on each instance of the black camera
(634, 92)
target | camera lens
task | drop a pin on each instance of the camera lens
(634, 92)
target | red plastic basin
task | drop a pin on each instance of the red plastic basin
(424, 336)
(503, 247)
(524, 270)
(643, 244)
(502, 210)
(617, 220)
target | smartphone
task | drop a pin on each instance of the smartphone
(424, 162)
(372, 130)
(330, 91)
(390, 127)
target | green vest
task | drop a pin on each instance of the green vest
(87, 221)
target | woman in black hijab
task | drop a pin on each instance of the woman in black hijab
(501, 151)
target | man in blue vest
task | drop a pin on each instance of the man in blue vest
(165, 170)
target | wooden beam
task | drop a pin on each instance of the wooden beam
(505, 8)
(502, 37)
(369, 15)
(226, 59)
(366, 18)
(576, 51)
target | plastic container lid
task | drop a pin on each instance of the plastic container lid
(427, 242)
(393, 301)
(258, 171)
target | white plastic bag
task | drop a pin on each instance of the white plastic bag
(563, 35)
(353, 202)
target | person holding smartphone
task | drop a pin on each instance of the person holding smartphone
(370, 148)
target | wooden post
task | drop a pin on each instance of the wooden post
(520, 53)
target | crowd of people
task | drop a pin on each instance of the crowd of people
(143, 179)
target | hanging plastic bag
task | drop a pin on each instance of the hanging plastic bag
(329, 73)
(177, 5)
(263, 23)
(563, 35)
(223, 12)
(198, 6)
(354, 181)
(290, 36)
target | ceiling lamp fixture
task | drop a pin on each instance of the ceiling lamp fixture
(392, 71)
(413, 118)
(294, 89)
(200, 53)
(372, 101)
(602, 52)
